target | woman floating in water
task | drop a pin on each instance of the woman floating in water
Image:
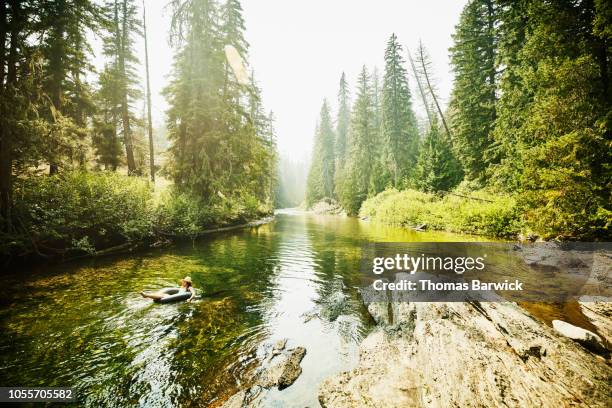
(174, 293)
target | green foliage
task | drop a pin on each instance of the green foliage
(343, 121)
(321, 177)
(498, 216)
(363, 145)
(222, 142)
(553, 129)
(80, 211)
(63, 43)
(89, 212)
(184, 214)
(399, 130)
(473, 100)
(437, 169)
(562, 196)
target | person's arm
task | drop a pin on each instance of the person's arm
(193, 293)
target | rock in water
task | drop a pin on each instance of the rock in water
(292, 368)
(333, 306)
(585, 337)
(285, 371)
(278, 347)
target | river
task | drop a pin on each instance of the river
(84, 325)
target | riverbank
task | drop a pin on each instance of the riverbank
(475, 213)
(80, 214)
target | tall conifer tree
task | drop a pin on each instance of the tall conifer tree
(473, 100)
(321, 178)
(399, 128)
(437, 169)
(362, 142)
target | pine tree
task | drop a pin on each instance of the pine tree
(342, 123)
(231, 33)
(232, 26)
(320, 184)
(377, 99)
(437, 169)
(221, 140)
(148, 100)
(362, 142)
(473, 100)
(65, 50)
(425, 78)
(105, 135)
(554, 123)
(343, 119)
(399, 128)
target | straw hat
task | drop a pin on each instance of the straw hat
(187, 279)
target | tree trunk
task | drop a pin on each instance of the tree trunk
(431, 91)
(125, 110)
(420, 86)
(6, 160)
(58, 71)
(491, 56)
(150, 127)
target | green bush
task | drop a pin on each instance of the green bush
(497, 216)
(185, 214)
(78, 210)
(92, 211)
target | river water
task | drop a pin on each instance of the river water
(84, 324)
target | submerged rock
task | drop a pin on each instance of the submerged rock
(333, 306)
(585, 337)
(468, 354)
(243, 398)
(278, 347)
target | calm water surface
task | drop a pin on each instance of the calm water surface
(85, 325)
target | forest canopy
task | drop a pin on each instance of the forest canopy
(528, 123)
(68, 129)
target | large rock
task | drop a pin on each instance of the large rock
(279, 369)
(284, 371)
(585, 337)
(469, 355)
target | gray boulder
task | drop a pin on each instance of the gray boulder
(284, 371)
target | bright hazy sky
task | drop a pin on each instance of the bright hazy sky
(299, 49)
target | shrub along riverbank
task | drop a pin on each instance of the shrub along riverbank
(482, 213)
(80, 213)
